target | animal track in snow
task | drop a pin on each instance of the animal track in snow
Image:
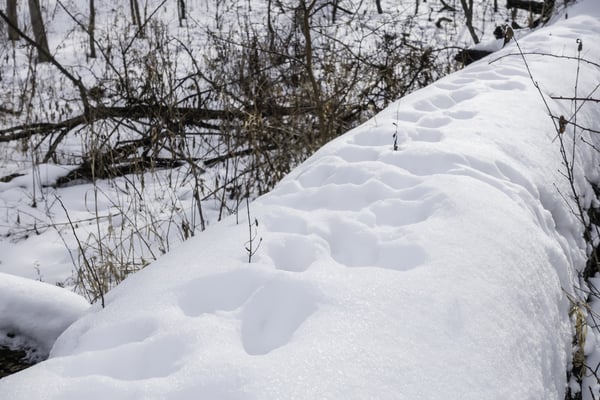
(352, 243)
(351, 173)
(406, 116)
(508, 85)
(220, 292)
(422, 162)
(397, 179)
(375, 138)
(285, 222)
(442, 102)
(104, 337)
(425, 106)
(341, 197)
(461, 81)
(397, 212)
(434, 122)
(295, 253)
(488, 75)
(317, 175)
(461, 114)
(447, 85)
(510, 72)
(463, 95)
(353, 154)
(152, 358)
(275, 313)
(355, 244)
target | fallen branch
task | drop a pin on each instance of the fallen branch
(535, 7)
(575, 98)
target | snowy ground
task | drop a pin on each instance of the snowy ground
(435, 270)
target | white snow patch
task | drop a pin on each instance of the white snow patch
(36, 312)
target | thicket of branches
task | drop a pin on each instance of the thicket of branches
(270, 97)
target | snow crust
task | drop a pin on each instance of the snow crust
(434, 271)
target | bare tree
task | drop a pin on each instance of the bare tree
(306, 10)
(91, 28)
(468, 10)
(11, 12)
(136, 18)
(379, 9)
(39, 33)
(135, 12)
(181, 11)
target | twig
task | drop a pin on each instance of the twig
(86, 263)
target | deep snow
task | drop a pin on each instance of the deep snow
(434, 271)
(34, 314)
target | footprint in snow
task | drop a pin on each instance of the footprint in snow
(155, 357)
(226, 291)
(434, 121)
(275, 313)
(295, 253)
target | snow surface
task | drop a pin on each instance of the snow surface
(434, 271)
(33, 314)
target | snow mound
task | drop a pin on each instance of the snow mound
(432, 271)
(35, 313)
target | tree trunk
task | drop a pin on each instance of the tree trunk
(11, 13)
(39, 34)
(136, 18)
(536, 7)
(133, 15)
(91, 28)
(379, 9)
(468, 10)
(181, 11)
(334, 5)
(317, 97)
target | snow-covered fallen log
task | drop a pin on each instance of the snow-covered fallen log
(423, 255)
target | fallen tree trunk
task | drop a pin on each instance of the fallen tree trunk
(536, 7)
(468, 56)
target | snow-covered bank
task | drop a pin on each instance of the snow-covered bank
(34, 313)
(434, 271)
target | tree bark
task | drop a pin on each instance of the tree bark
(11, 12)
(535, 7)
(136, 18)
(468, 10)
(134, 21)
(91, 28)
(379, 9)
(39, 33)
(181, 11)
(317, 99)
(467, 56)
